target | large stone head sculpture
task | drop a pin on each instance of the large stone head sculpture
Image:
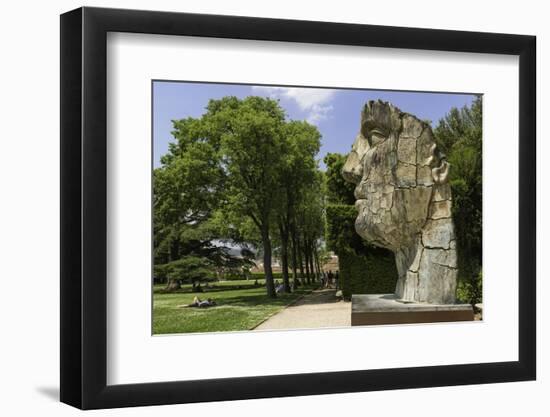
(404, 201)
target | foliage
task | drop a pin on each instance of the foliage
(235, 176)
(186, 189)
(459, 135)
(301, 197)
(341, 232)
(252, 150)
(339, 191)
(363, 268)
(189, 269)
(470, 291)
(160, 273)
(371, 271)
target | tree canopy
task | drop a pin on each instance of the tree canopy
(235, 176)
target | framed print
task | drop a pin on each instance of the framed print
(257, 208)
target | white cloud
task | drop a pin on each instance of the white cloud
(319, 112)
(312, 101)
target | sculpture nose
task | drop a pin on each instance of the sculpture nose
(352, 170)
(353, 167)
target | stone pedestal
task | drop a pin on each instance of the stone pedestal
(372, 309)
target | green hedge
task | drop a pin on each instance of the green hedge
(364, 269)
(261, 275)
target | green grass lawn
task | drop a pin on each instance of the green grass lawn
(240, 306)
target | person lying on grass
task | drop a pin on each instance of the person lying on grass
(197, 302)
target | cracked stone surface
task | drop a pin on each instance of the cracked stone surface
(404, 201)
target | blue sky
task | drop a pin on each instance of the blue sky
(335, 112)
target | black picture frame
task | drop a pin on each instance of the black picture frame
(84, 207)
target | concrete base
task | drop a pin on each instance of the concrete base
(371, 309)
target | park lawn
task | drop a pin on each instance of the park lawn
(240, 306)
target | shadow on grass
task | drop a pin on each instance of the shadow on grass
(254, 300)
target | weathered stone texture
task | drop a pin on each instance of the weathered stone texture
(440, 209)
(412, 127)
(406, 151)
(441, 192)
(405, 175)
(404, 201)
(438, 234)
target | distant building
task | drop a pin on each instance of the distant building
(331, 264)
(259, 268)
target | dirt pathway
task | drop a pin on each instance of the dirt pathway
(321, 308)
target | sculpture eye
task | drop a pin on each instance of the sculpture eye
(375, 137)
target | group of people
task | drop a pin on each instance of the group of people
(330, 280)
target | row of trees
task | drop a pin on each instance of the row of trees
(240, 175)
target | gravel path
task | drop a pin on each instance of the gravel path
(321, 308)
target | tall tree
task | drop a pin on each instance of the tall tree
(310, 221)
(253, 149)
(236, 175)
(186, 189)
(302, 143)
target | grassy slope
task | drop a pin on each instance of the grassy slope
(240, 306)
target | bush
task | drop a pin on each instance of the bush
(188, 269)
(364, 269)
(341, 233)
(372, 272)
(261, 275)
(470, 291)
(234, 276)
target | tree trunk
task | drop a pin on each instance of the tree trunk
(294, 258)
(284, 257)
(308, 272)
(268, 272)
(306, 259)
(316, 255)
(173, 285)
(300, 260)
(312, 264)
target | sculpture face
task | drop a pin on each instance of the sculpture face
(403, 199)
(391, 162)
